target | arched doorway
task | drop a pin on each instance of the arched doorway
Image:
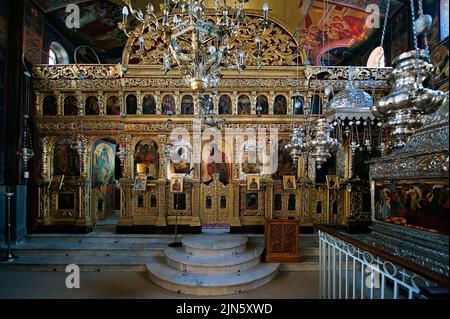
(105, 192)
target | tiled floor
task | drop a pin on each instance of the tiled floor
(26, 284)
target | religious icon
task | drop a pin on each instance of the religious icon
(113, 106)
(252, 201)
(333, 182)
(253, 182)
(244, 105)
(225, 104)
(147, 158)
(289, 182)
(176, 185)
(140, 183)
(214, 161)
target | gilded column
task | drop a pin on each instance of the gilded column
(139, 99)
(123, 107)
(195, 197)
(59, 102)
(177, 98)
(234, 102)
(162, 207)
(235, 220)
(253, 98)
(101, 103)
(80, 102)
(158, 102)
(38, 104)
(271, 100)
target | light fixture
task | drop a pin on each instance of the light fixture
(322, 144)
(25, 146)
(199, 45)
(402, 109)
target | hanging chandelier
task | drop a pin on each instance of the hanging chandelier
(402, 109)
(321, 144)
(199, 45)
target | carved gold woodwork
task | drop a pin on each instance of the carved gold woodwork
(279, 46)
(220, 196)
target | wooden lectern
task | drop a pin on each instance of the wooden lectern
(281, 241)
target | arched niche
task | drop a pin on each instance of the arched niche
(277, 202)
(291, 202)
(244, 105)
(262, 104)
(49, 106)
(187, 105)
(131, 104)
(70, 105)
(168, 105)
(298, 105)
(104, 168)
(148, 105)
(112, 105)
(280, 105)
(225, 104)
(316, 104)
(91, 106)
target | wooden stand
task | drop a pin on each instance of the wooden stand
(281, 241)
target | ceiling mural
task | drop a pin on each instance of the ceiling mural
(325, 27)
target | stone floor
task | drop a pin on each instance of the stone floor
(123, 285)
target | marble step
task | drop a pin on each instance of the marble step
(214, 245)
(210, 284)
(86, 263)
(185, 262)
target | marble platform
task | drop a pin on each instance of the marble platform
(127, 252)
(211, 265)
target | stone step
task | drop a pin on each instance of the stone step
(185, 262)
(86, 263)
(211, 284)
(214, 245)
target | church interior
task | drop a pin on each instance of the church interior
(224, 149)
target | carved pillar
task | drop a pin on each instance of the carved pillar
(177, 99)
(271, 100)
(340, 162)
(59, 102)
(253, 98)
(80, 102)
(195, 197)
(38, 104)
(123, 106)
(162, 205)
(234, 103)
(164, 160)
(235, 220)
(84, 158)
(196, 98)
(126, 184)
(139, 99)
(158, 102)
(45, 161)
(101, 103)
(311, 168)
(215, 101)
(269, 198)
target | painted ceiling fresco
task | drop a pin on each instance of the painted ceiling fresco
(330, 29)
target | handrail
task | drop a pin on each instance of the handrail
(424, 272)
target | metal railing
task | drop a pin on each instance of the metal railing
(350, 269)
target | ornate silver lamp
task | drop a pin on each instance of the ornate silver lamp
(322, 144)
(408, 100)
(25, 146)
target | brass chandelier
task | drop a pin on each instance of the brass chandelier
(197, 43)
